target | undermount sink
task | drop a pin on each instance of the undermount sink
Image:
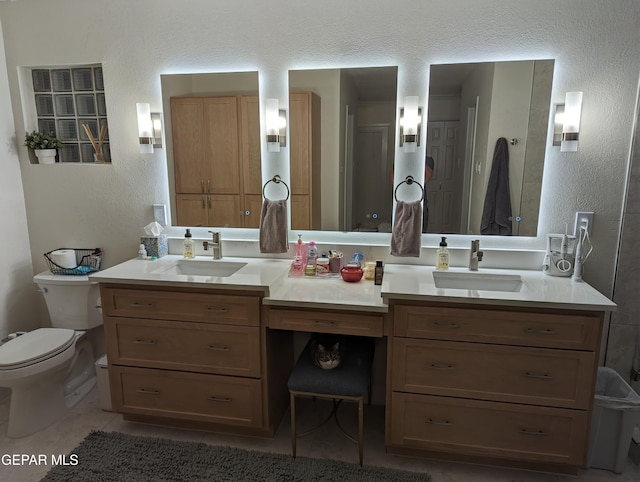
(477, 281)
(201, 268)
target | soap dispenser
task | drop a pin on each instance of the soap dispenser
(299, 258)
(188, 246)
(443, 255)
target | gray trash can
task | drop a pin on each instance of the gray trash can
(616, 412)
(102, 375)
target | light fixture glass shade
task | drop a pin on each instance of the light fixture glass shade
(410, 121)
(145, 128)
(571, 122)
(273, 122)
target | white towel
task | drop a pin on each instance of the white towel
(405, 239)
(273, 227)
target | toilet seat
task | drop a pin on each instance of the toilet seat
(35, 346)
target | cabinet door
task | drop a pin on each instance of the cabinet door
(225, 211)
(192, 210)
(300, 132)
(250, 145)
(221, 151)
(187, 120)
(252, 210)
(300, 212)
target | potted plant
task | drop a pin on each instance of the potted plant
(45, 145)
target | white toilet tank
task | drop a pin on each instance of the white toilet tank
(72, 301)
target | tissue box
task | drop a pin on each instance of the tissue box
(155, 245)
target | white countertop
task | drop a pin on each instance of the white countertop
(400, 282)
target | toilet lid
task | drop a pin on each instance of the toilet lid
(34, 346)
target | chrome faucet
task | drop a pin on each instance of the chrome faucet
(475, 255)
(216, 244)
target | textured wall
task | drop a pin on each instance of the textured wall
(596, 46)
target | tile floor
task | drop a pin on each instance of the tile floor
(63, 436)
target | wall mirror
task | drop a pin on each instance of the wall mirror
(212, 123)
(470, 107)
(342, 131)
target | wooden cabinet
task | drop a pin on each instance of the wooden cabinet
(506, 386)
(184, 357)
(324, 321)
(216, 150)
(304, 128)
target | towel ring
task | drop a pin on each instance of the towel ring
(409, 180)
(276, 179)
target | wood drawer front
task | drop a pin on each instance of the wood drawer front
(188, 396)
(167, 305)
(326, 322)
(540, 376)
(489, 429)
(578, 332)
(182, 345)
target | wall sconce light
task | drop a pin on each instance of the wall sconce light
(410, 120)
(276, 124)
(567, 122)
(149, 128)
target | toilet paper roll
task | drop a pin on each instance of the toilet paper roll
(65, 258)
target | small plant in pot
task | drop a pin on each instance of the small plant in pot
(44, 144)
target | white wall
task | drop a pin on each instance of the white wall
(18, 300)
(596, 46)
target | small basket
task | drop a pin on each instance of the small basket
(87, 261)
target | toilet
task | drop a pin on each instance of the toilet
(49, 370)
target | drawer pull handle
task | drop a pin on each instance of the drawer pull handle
(326, 323)
(546, 331)
(544, 376)
(440, 324)
(141, 305)
(219, 399)
(437, 366)
(217, 310)
(438, 422)
(524, 431)
(218, 348)
(139, 341)
(148, 391)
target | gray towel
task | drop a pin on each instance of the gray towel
(405, 239)
(496, 214)
(273, 227)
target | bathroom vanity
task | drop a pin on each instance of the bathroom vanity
(486, 376)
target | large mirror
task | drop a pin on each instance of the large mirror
(470, 107)
(342, 129)
(212, 123)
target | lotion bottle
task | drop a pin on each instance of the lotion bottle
(187, 246)
(443, 255)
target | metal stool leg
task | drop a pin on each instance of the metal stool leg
(361, 429)
(292, 397)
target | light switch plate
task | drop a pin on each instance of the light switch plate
(160, 214)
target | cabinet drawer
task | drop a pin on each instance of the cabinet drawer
(192, 396)
(181, 345)
(559, 378)
(168, 305)
(326, 322)
(489, 429)
(573, 331)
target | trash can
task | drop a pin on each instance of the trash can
(616, 412)
(102, 376)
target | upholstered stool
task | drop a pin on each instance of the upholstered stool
(349, 381)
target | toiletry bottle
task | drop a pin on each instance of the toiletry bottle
(299, 258)
(142, 252)
(312, 259)
(443, 255)
(379, 271)
(187, 246)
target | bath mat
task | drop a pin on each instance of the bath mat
(113, 456)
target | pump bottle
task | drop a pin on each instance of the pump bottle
(187, 246)
(443, 255)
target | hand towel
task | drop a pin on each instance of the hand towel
(405, 239)
(496, 213)
(273, 227)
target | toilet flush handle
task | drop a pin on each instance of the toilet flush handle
(43, 290)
